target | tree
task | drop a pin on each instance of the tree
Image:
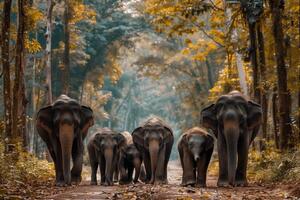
(48, 35)
(19, 95)
(285, 129)
(66, 58)
(6, 69)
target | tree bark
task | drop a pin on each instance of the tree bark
(254, 63)
(263, 88)
(275, 116)
(6, 70)
(19, 97)
(48, 35)
(285, 129)
(66, 60)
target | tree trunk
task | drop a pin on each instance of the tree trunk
(19, 97)
(254, 63)
(275, 116)
(66, 59)
(263, 77)
(6, 70)
(48, 35)
(285, 129)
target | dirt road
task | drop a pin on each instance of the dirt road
(173, 190)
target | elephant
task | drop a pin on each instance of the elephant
(130, 159)
(63, 127)
(235, 121)
(195, 148)
(154, 139)
(103, 148)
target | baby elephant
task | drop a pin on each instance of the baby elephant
(195, 149)
(130, 159)
(104, 147)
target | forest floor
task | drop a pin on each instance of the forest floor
(174, 191)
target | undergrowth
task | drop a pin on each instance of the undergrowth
(23, 176)
(273, 166)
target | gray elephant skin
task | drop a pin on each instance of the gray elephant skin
(104, 148)
(63, 127)
(154, 140)
(130, 160)
(195, 148)
(235, 122)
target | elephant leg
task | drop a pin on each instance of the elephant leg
(137, 172)
(241, 172)
(147, 163)
(223, 166)
(202, 166)
(116, 171)
(166, 159)
(122, 170)
(160, 177)
(189, 174)
(102, 170)
(94, 166)
(130, 173)
(77, 156)
(56, 155)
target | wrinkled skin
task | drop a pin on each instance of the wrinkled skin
(235, 122)
(103, 149)
(154, 139)
(63, 126)
(130, 159)
(195, 149)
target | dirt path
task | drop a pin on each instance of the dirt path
(172, 190)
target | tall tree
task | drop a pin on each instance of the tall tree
(263, 85)
(285, 129)
(19, 97)
(66, 59)
(48, 35)
(6, 68)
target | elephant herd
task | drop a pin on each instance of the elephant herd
(144, 154)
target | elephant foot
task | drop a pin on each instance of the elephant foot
(136, 181)
(108, 183)
(124, 182)
(60, 184)
(191, 183)
(200, 185)
(160, 182)
(93, 183)
(241, 183)
(222, 183)
(76, 180)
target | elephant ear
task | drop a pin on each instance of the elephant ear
(209, 142)
(168, 134)
(254, 117)
(86, 119)
(97, 141)
(208, 117)
(138, 136)
(121, 140)
(44, 123)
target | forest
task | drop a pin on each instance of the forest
(118, 66)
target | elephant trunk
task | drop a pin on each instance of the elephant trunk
(66, 137)
(108, 155)
(153, 150)
(231, 137)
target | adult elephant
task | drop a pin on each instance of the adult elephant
(63, 126)
(154, 139)
(235, 122)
